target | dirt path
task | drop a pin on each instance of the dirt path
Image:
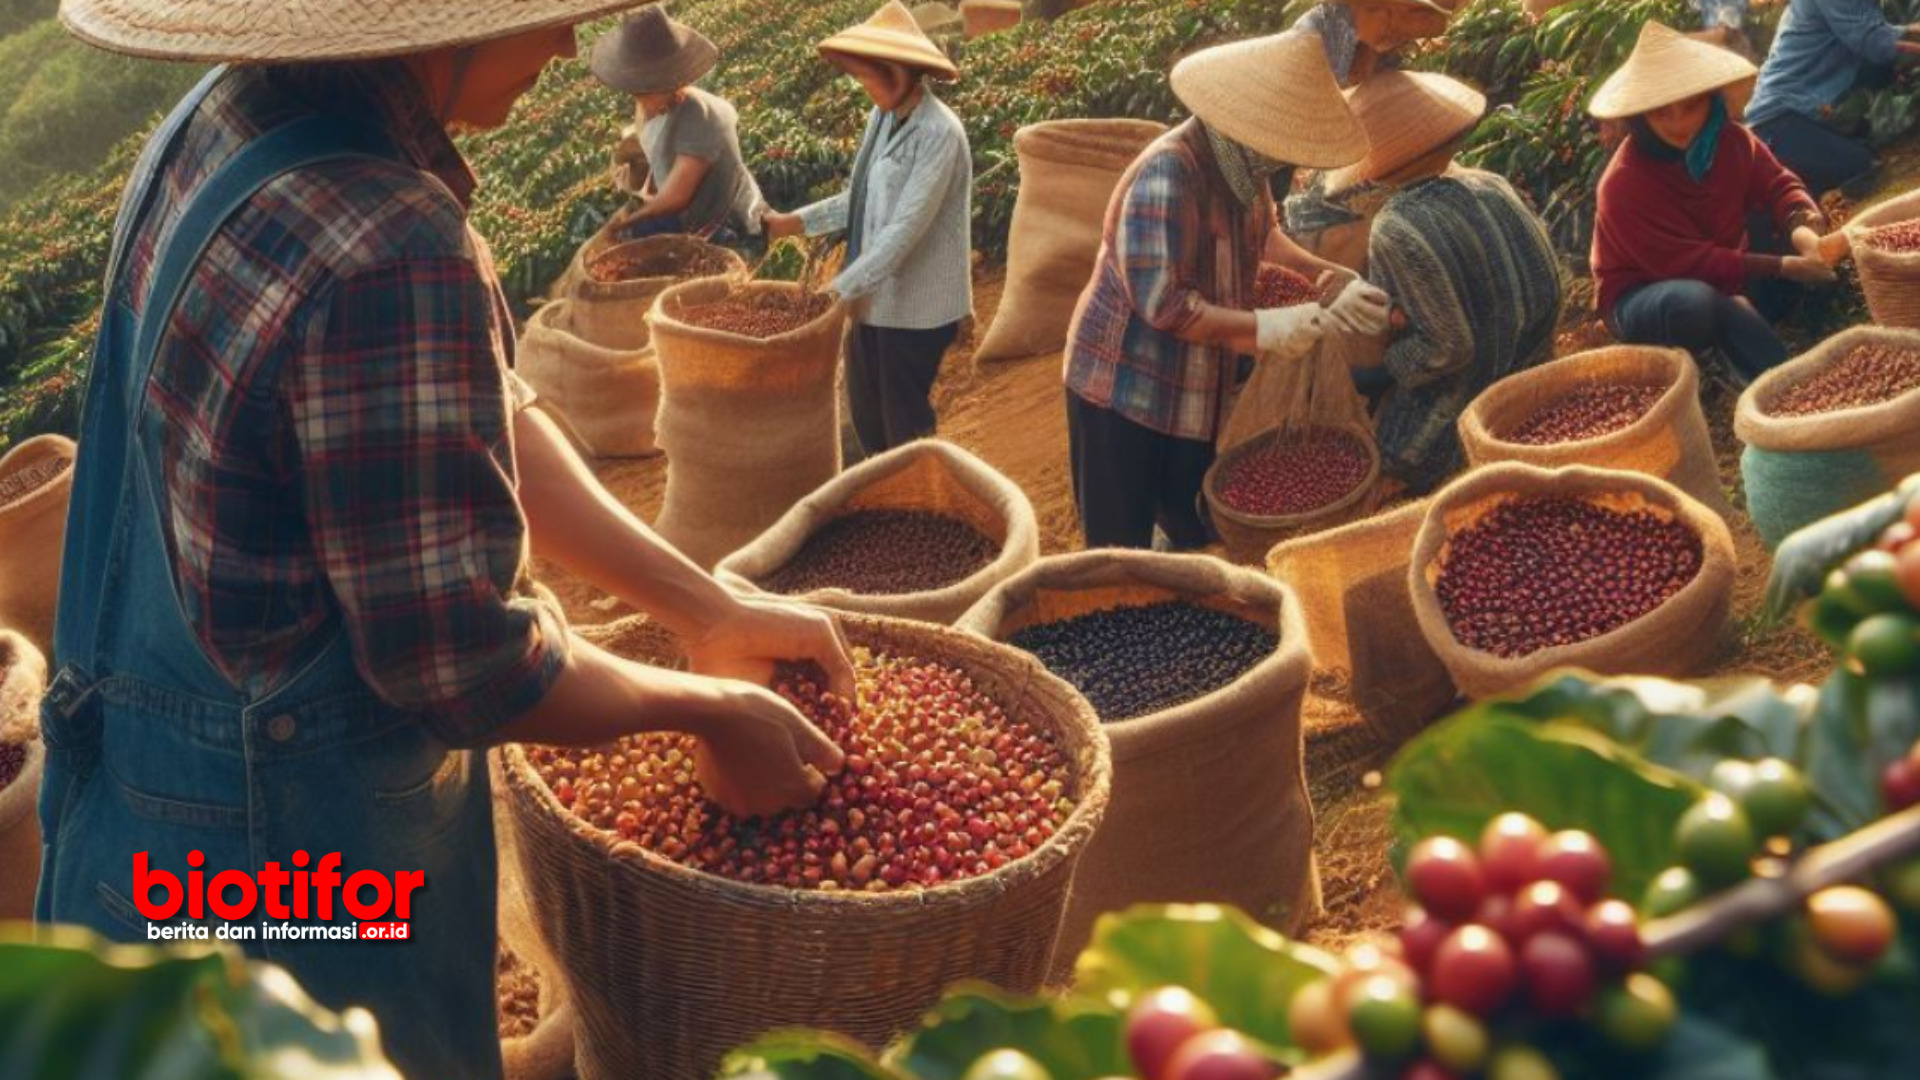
(1012, 415)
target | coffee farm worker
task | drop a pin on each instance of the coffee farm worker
(696, 181)
(908, 219)
(295, 603)
(1671, 251)
(1823, 50)
(1156, 339)
(1360, 37)
(1467, 263)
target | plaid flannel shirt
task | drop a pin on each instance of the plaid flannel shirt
(1175, 240)
(374, 479)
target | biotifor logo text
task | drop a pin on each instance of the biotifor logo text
(375, 899)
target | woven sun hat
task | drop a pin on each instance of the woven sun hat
(1666, 67)
(652, 53)
(891, 35)
(1406, 115)
(1274, 95)
(283, 31)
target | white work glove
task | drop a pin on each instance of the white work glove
(1360, 309)
(1291, 332)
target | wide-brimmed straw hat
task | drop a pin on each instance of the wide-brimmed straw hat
(652, 53)
(1406, 115)
(892, 36)
(1667, 67)
(283, 31)
(1274, 95)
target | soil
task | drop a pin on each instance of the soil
(18, 485)
(1012, 414)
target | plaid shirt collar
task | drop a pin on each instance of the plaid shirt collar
(391, 86)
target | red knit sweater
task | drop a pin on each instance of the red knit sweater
(1656, 223)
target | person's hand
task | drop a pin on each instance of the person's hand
(1360, 309)
(1807, 242)
(1805, 271)
(779, 226)
(758, 755)
(756, 635)
(1289, 332)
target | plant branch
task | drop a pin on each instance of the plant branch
(1849, 858)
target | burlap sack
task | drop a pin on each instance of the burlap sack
(605, 397)
(1890, 281)
(664, 261)
(1675, 639)
(1352, 586)
(36, 479)
(23, 679)
(1799, 469)
(1249, 537)
(1210, 797)
(670, 968)
(614, 313)
(928, 474)
(1068, 170)
(989, 16)
(1670, 441)
(749, 426)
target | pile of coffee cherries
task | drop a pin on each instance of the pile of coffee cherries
(1504, 936)
(1898, 239)
(758, 315)
(1587, 413)
(1140, 659)
(1867, 375)
(1869, 608)
(1536, 573)
(1277, 287)
(940, 785)
(1295, 473)
(885, 553)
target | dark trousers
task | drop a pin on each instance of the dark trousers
(1128, 477)
(1695, 316)
(1823, 158)
(890, 376)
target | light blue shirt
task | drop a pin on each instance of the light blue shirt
(915, 267)
(1817, 55)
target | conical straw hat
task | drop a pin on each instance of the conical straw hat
(893, 36)
(1275, 95)
(1406, 115)
(270, 31)
(1666, 67)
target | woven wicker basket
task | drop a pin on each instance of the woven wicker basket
(670, 967)
(1890, 281)
(1250, 536)
(23, 678)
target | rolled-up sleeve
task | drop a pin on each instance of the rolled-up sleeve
(1157, 245)
(403, 413)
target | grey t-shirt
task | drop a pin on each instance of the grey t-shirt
(705, 127)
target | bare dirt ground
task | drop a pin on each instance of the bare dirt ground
(1012, 415)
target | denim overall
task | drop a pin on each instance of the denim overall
(150, 749)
